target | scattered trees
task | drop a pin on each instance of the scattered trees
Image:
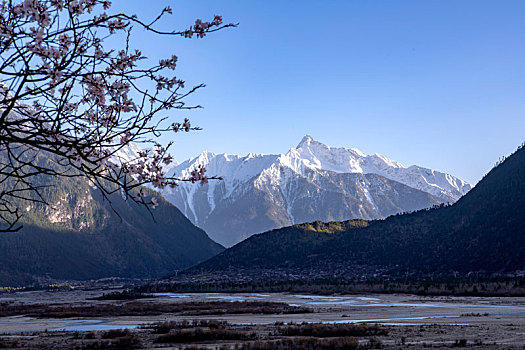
(66, 97)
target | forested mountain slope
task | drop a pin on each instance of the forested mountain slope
(483, 232)
(80, 235)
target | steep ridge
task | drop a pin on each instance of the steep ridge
(483, 232)
(310, 182)
(316, 155)
(80, 235)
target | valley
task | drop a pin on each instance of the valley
(160, 187)
(403, 282)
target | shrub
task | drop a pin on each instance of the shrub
(201, 334)
(331, 330)
(115, 333)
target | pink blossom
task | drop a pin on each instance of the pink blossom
(169, 63)
(154, 202)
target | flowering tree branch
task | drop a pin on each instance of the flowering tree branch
(65, 96)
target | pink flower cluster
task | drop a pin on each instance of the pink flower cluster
(34, 10)
(198, 175)
(169, 63)
(186, 126)
(148, 167)
(200, 28)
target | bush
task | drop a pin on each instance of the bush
(165, 327)
(122, 343)
(311, 343)
(201, 334)
(115, 333)
(331, 330)
(460, 343)
(5, 344)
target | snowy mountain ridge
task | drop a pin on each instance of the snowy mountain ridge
(310, 182)
(317, 155)
(314, 155)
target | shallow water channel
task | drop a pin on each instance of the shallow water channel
(388, 309)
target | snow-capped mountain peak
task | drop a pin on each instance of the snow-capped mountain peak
(340, 159)
(316, 155)
(305, 141)
(278, 187)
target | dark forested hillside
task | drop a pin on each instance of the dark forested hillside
(80, 235)
(483, 232)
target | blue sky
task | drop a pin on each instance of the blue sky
(439, 84)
